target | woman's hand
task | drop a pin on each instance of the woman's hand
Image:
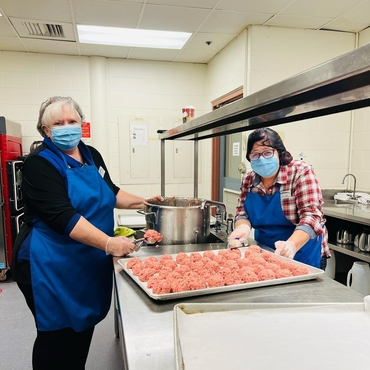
(156, 198)
(119, 246)
(285, 248)
(240, 232)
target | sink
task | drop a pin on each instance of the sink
(348, 201)
(345, 198)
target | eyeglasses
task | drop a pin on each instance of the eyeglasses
(269, 153)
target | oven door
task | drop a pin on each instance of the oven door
(14, 171)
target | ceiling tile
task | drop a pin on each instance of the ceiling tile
(297, 22)
(218, 41)
(205, 4)
(360, 13)
(195, 56)
(231, 22)
(6, 29)
(172, 18)
(122, 1)
(153, 54)
(218, 21)
(106, 13)
(50, 10)
(104, 51)
(346, 25)
(253, 6)
(320, 8)
(50, 47)
(11, 44)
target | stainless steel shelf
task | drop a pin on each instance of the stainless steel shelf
(350, 250)
(338, 85)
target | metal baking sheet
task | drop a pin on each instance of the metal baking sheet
(313, 274)
(266, 336)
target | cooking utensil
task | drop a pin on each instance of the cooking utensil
(138, 243)
(364, 242)
(344, 237)
(237, 243)
(181, 220)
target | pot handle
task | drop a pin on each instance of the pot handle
(219, 205)
(145, 213)
(148, 214)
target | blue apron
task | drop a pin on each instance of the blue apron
(71, 281)
(270, 225)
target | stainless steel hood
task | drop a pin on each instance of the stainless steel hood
(338, 85)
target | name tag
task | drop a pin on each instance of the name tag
(285, 194)
(102, 171)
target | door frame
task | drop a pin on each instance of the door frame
(216, 143)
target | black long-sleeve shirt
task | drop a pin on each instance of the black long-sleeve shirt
(46, 198)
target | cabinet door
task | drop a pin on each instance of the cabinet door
(139, 150)
(140, 158)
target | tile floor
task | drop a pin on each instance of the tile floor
(17, 334)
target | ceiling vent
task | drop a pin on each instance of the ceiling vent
(43, 30)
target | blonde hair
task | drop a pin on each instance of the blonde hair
(54, 106)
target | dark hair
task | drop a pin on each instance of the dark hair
(271, 139)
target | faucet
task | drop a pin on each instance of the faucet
(354, 184)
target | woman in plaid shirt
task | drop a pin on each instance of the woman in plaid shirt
(281, 199)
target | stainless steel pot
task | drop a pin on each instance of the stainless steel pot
(344, 237)
(181, 220)
(363, 242)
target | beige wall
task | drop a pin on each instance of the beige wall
(110, 88)
(273, 54)
(107, 89)
(279, 53)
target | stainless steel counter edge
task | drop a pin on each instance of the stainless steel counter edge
(351, 212)
(335, 86)
(358, 213)
(147, 325)
(350, 250)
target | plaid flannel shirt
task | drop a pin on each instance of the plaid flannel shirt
(301, 198)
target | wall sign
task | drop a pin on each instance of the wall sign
(139, 135)
(86, 132)
(236, 149)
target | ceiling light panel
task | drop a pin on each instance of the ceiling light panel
(132, 37)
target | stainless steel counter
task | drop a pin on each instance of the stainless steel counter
(351, 212)
(145, 326)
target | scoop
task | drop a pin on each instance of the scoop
(237, 243)
(138, 243)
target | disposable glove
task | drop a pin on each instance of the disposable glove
(285, 248)
(241, 232)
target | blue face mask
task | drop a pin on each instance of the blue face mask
(66, 137)
(265, 167)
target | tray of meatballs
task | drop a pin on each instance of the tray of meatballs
(173, 276)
